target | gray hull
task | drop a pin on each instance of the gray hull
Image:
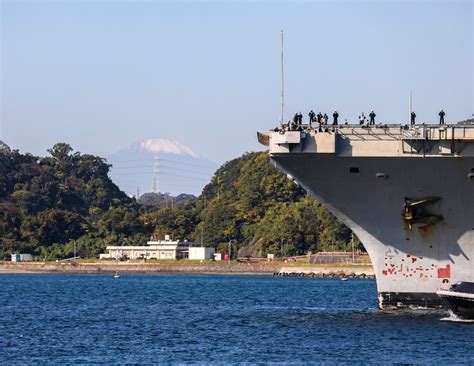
(412, 259)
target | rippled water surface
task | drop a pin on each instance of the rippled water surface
(215, 319)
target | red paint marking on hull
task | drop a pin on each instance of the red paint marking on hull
(444, 272)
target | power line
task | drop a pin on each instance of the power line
(186, 176)
(131, 167)
(210, 165)
(166, 174)
(162, 173)
(161, 166)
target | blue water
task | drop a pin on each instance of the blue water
(53, 319)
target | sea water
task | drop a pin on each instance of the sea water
(57, 319)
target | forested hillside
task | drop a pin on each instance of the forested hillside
(46, 203)
(49, 203)
(252, 202)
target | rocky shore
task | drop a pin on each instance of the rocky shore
(327, 272)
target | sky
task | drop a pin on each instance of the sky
(102, 75)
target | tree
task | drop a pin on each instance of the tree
(4, 148)
(60, 151)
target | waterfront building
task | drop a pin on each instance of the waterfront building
(22, 257)
(201, 253)
(159, 249)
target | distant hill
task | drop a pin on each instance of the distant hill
(165, 200)
(181, 169)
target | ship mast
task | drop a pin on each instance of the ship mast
(282, 83)
(410, 108)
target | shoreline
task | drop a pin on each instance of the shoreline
(212, 268)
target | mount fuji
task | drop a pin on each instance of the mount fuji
(176, 168)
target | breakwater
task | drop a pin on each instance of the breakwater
(327, 272)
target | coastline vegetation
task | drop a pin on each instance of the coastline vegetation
(49, 205)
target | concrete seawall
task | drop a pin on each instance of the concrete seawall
(201, 268)
(150, 268)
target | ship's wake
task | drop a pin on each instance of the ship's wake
(454, 318)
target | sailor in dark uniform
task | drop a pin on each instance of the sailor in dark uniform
(335, 116)
(372, 117)
(441, 115)
(311, 116)
(294, 123)
(319, 116)
(325, 119)
(412, 117)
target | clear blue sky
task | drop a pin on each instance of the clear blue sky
(101, 75)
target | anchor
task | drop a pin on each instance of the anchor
(413, 212)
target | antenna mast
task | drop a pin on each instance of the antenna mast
(282, 83)
(410, 108)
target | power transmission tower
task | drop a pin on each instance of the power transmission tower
(155, 184)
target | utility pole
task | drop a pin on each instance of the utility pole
(352, 241)
(230, 248)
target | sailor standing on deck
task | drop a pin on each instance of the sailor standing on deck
(325, 119)
(311, 116)
(319, 116)
(362, 118)
(335, 116)
(441, 117)
(294, 124)
(372, 117)
(412, 118)
(300, 118)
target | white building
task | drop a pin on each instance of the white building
(201, 253)
(22, 258)
(156, 249)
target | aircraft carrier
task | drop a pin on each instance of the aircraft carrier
(407, 192)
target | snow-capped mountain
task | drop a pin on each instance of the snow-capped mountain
(179, 168)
